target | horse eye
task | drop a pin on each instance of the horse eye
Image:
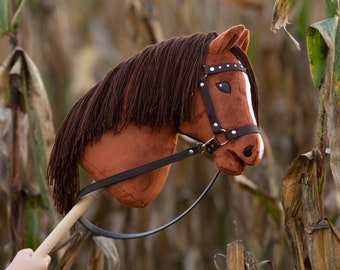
(224, 87)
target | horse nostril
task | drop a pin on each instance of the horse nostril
(248, 151)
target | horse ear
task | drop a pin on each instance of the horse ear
(236, 35)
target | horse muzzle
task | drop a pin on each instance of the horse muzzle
(234, 155)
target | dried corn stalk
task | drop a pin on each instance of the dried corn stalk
(313, 239)
(237, 258)
(28, 134)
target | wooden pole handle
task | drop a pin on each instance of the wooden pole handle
(66, 223)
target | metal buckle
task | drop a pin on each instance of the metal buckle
(222, 130)
(207, 142)
(212, 144)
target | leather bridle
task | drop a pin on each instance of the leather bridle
(210, 146)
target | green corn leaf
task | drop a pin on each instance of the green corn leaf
(331, 8)
(323, 42)
(10, 16)
(4, 17)
(15, 19)
(317, 54)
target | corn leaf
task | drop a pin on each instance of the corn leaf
(72, 248)
(271, 204)
(20, 78)
(332, 7)
(41, 128)
(317, 54)
(105, 254)
(15, 18)
(4, 17)
(292, 205)
(323, 42)
(10, 16)
(280, 18)
(324, 55)
(280, 14)
(311, 237)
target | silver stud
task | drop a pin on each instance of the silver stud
(212, 68)
(201, 84)
(215, 124)
(233, 131)
(228, 65)
(219, 67)
(235, 65)
(191, 151)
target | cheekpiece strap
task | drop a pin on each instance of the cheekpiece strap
(203, 85)
(209, 107)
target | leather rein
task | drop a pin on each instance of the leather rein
(210, 146)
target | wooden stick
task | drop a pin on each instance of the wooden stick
(66, 223)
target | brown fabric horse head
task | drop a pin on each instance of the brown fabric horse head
(134, 114)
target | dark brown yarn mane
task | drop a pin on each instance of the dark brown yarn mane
(154, 87)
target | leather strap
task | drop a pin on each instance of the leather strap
(204, 89)
(209, 106)
(213, 69)
(230, 134)
(113, 179)
(240, 131)
(215, 124)
(192, 151)
(99, 231)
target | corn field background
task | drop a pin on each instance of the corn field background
(67, 46)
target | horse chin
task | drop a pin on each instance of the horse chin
(229, 163)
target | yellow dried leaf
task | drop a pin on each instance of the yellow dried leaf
(280, 18)
(280, 14)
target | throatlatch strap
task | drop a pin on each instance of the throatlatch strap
(113, 179)
(197, 149)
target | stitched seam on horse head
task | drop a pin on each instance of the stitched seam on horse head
(85, 161)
